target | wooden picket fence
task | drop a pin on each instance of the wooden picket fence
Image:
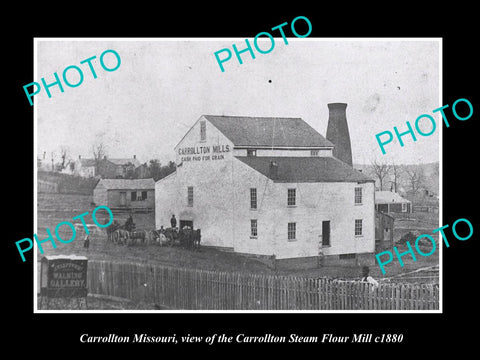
(192, 289)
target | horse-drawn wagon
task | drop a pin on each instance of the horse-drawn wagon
(187, 237)
(127, 235)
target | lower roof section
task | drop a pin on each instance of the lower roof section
(304, 169)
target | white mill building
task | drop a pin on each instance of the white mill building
(270, 187)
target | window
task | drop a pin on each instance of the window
(253, 228)
(326, 233)
(203, 131)
(190, 195)
(251, 152)
(138, 196)
(314, 152)
(291, 197)
(358, 227)
(253, 198)
(358, 195)
(382, 208)
(292, 229)
(404, 207)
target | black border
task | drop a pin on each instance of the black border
(424, 331)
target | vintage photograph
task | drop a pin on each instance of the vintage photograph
(166, 184)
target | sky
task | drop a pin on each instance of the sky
(163, 86)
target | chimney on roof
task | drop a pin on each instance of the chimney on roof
(273, 170)
(337, 132)
(79, 156)
(104, 157)
(134, 156)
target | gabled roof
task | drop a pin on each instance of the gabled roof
(118, 162)
(127, 184)
(268, 131)
(134, 161)
(305, 169)
(87, 162)
(388, 197)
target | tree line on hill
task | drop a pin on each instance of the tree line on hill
(74, 184)
(153, 169)
(61, 160)
(411, 181)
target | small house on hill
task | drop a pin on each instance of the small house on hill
(135, 194)
(118, 168)
(391, 202)
(104, 168)
(81, 167)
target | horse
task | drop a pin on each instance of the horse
(172, 236)
(121, 236)
(111, 230)
(187, 237)
(158, 237)
(141, 235)
(162, 240)
(197, 238)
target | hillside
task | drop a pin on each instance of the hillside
(64, 183)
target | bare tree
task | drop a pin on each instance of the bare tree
(396, 174)
(53, 157)
(380, 171)
(99, 151)
(415, 179)
(64, 152)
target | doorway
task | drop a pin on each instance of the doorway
(386, 234)
(184, 223)
(325, 233)
(123, 198)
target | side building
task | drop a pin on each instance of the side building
(391, 202)
(268, 187)
(125, 194)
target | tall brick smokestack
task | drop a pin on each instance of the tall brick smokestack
(337, 132)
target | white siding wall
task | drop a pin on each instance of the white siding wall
(165, 200)
(100, 195)
(244, 179)
(315, 202)
(211, 179)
